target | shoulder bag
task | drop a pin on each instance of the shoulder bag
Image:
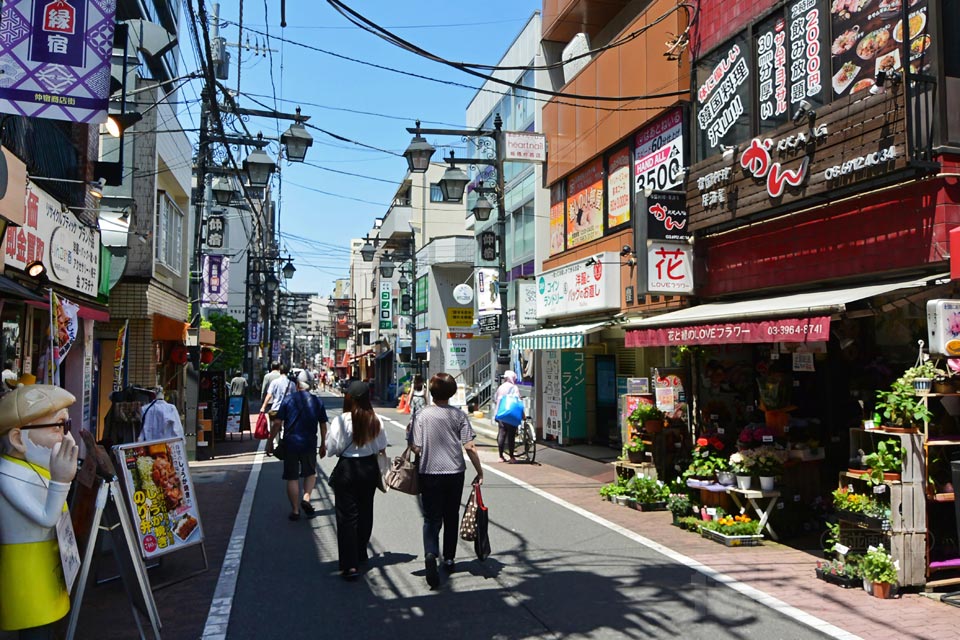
(481, 545)
(468, 526)
(403, 474)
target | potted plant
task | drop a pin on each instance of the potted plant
(649, 416)
(732, 531)
(921, 376)
(862, 509)
(649, 493)
(768, 464)
(879, 571)
(886, 463)
(616, 491)
(899, 407)
(707, 460)
(680, 506)
(844, 572)
(633, 451)
(741, 464)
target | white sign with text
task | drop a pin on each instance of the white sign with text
(581, 286)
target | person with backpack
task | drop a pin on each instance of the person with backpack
(299, 415)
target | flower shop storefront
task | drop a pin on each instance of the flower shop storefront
(800, 433)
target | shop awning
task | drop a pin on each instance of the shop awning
(556, 337)
(83, 311)
(365, 354)
(13, 288)
(800, 317)
(165, 328)
(345, 363)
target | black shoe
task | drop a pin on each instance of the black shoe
(433, 577)
(294, 517)
(307, 508)
(449, 565)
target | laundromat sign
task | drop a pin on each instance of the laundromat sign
(580, 287)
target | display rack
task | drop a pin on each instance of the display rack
(933, 497)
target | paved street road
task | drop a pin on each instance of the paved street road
(553, 573)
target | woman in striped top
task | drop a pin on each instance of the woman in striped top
(440, 434)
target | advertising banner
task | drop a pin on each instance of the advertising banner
(488, 295)
(160, 495)
(69, 250)
(526, 303)
(459, 316)
(618, 185)
(55, 56)
(658, 150)
(585, 205)
(814, 329)
(120, 358)
(216, 281)
(557, 241)
(723, 95)
(386, 304)
(667, 216)
(523, 146)
(577, 288)
(552, 396)
(669, 267)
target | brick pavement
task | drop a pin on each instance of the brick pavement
(778, 570)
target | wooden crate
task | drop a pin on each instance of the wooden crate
(914, 467)
(908, 503)
(910, 551)
(629, 469)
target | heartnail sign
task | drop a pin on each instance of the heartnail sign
(55, 58)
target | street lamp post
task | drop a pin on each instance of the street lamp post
(454, 183)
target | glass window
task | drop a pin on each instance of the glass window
(436, 195)
(168, 249)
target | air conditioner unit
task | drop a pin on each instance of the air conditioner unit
(579, 45)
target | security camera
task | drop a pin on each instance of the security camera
(802, 111)
(625, 251)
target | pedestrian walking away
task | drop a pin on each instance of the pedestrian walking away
(279, 388)
(416, 399)
(506, 433)
(300, 414)
(357, 437)
(439, 432)
(268, 378)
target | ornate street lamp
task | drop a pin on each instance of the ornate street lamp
(297, 141)
(454, 182)
(223, 191)
(289, 269)
(258, 166)
(387, 266)
(368, 251)
(482, 209)
(271, 283)
(418, 153)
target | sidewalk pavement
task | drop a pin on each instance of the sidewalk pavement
(784, 573)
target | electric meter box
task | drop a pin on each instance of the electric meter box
(943, 327)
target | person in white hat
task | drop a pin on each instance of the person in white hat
(38, 461)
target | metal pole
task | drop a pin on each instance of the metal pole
(247, 364)
(503, 348)
(414, 356)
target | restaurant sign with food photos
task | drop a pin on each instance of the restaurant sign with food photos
(161, 496)
(804, 53)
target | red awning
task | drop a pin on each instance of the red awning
(346, 360)
(170, 329)
(90, 313)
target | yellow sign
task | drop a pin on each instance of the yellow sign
(459, 316)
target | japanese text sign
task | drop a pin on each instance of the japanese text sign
(459, 316)
(768, 331)
(667, 216)
(522, 146)
(557, 238)
(215, 280)
(669, 267)
(658, 153)
(618, 187)
(577, 288)
(488, 294)
(69, 250)
(386, 305)
(161, 496)
(585, 205)
(55, 55)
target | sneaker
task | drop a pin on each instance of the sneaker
(433, 577)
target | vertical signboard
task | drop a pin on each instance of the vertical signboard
(55, 56)
(552, 396)
(669, 267)
(488, 294)
(667, 216)
(618, 186)
(386, 305)
(659, 155)
(573, 379)
(215, 281)
(557, 238)
(722, 96)
(585, 205)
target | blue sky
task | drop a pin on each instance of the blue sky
(322, 204)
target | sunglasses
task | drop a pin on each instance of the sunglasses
(63, 424)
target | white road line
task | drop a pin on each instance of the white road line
(751, 592)
(218, 618)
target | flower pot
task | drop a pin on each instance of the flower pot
(743, 482)
(942, 386)
(653, 426)
(881, 590)
(726, 478)
(922, 386)
(636, 457)
(767, 483)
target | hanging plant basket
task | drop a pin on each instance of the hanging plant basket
(922, 386)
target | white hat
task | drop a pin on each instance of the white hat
(28, 403)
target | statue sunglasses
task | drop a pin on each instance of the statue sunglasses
(63, 424)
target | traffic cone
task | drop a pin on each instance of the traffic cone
(403, 403)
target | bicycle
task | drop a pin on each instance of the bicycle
(525, 447)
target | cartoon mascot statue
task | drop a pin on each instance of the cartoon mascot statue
(38, 461)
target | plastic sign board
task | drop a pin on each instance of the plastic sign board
(580, 287)
(669, 267)
(943, 327)
(522, 146)
(386, 305)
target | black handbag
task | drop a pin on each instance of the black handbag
(280, 450)
(481, 545)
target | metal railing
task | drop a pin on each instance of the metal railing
(477, 380)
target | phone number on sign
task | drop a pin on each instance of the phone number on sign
(794, 329)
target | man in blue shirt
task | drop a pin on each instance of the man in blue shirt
(299, 414)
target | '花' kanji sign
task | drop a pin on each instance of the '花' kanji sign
(669, 267)
(55, 57)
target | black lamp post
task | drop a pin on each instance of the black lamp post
(454, 183)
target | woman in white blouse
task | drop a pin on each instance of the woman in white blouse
(357, 437)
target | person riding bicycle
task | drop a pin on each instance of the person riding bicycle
(506, 433)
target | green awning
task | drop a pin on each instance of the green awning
(571, 337)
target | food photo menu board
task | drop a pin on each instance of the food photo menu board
(867, 39)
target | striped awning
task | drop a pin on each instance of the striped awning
(556, 337)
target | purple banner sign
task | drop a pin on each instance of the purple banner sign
(55, 58)
(215, 281)
(787, 330)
